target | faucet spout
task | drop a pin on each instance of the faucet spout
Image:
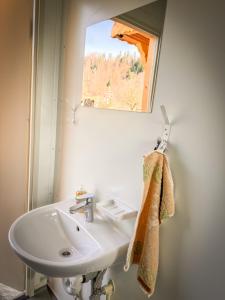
(88, 208)
(76, 208)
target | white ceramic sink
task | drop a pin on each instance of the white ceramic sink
(52, 241)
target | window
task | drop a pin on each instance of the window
(119, 66)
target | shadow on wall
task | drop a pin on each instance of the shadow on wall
(172, 235)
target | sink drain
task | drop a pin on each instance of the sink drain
(66, 252)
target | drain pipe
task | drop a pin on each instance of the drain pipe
(73, 286)
(96, 284)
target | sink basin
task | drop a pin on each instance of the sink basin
(53, 242)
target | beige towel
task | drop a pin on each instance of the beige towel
(157, 204)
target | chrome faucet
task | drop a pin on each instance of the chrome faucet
(87, 206)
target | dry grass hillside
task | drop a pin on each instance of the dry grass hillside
(113, 82)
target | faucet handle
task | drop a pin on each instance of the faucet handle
(88, 197)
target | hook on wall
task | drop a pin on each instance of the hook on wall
(164, 113)
(73, 109)
(162, 141)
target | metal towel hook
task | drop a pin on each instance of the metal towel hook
(162, 141)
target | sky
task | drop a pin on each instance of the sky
(98, 40)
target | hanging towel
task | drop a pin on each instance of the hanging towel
(157, 205)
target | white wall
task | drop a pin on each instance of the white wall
(105, 148)
(15, 70)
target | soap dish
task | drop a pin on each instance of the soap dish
(117, 210)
